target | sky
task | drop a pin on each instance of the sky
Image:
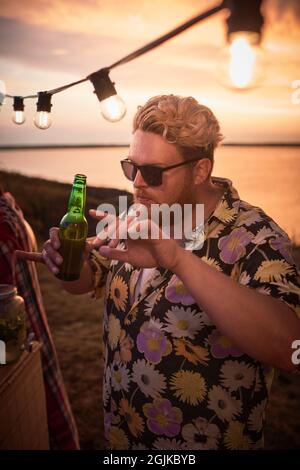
(47, 43)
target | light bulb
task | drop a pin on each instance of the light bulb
(42, 120)
(18, 117)
(2, 92)
(112, 106)
(113, 109)
(241, 64)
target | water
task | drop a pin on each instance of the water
(267, 177)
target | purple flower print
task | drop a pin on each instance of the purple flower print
(153, 343)
(283, 246)
(177, 292)
(108, 416)
(162, 417)
(221, 346)
(232, 246)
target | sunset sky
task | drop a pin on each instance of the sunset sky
(48, 43)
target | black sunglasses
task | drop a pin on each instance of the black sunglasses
(152, 174)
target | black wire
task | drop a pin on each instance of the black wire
(148, 47)
(64, 87)
(174, 32)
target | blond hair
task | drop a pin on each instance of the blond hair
(182, 121)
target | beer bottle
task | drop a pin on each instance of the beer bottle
(72, 233)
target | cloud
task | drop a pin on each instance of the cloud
(132, 18)
(47, 43)
(81, 53)
(46, 48)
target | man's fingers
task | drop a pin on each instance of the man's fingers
(89, 244)
(99, 215)
(113, 243)
(48, 261)
(30, 256)
(111, 222)
(53, 233)
(112, 253)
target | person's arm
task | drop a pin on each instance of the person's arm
(260, 325)
(93, 270)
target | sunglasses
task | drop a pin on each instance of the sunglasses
(152, 174)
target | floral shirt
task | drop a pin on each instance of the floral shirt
(172, 380)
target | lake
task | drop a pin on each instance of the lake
(267, 177)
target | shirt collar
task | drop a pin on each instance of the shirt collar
(227, 208)
(225, 213)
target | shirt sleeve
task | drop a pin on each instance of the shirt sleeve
(100, 267)
(270, 269)
(8, 244)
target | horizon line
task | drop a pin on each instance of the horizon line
(66, 146)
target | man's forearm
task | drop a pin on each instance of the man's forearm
(258, 324)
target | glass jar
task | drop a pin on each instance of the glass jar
(12, 324)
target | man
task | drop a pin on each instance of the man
(191, 332)
(16, 233)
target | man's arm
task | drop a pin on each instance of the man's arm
(260, 325)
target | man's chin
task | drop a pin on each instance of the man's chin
(145, 201)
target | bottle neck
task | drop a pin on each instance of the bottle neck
(76, 204)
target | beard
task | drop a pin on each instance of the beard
(186, 195)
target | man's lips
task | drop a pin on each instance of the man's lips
(142, 198)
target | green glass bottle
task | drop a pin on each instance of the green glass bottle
(73, 231)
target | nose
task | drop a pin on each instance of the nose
(139, 181)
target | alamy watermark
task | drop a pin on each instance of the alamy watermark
(296, 354)
(2, 352)
(155, 221)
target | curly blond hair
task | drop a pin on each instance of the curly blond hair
(182, 121)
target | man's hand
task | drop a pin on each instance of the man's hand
(144, 253)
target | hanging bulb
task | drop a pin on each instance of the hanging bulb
(42, 119)
(241, 65)
(2, 93)
(18, 116)
(112, 107)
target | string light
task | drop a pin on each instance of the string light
(18, 116)
(245, 18)
(112, 107)
(42, 118)
(2, 93)
(241, 64)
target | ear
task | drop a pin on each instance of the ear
(201, 170)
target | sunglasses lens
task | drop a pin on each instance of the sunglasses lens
(129, 170)
(152, 175)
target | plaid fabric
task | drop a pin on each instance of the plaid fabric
(14, 235)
